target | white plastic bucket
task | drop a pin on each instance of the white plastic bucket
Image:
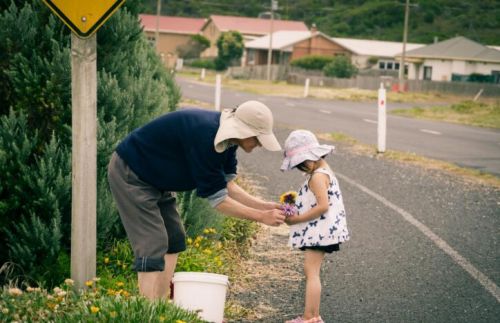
(201, 292)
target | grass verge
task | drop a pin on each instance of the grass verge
(472, 113)
(282, 88)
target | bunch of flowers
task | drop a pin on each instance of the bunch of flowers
(287, 201)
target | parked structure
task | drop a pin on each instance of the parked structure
(250, 28)
(455, 59)
(290, 45)
(375, 54)
(173, 32)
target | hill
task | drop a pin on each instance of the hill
(374, 19)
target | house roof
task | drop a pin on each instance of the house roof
(458, 48)
(282, 40)
(374, 47)
(169, 24)
(254, 26)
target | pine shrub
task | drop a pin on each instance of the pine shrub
(133, 87)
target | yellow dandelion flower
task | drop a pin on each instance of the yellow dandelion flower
(125, 293)
(120, 284)
(212, 230)
(197, 245)
(15, 291)
(111, 291)
(161, 318)
(180, 321)
(219, 245)
(113, 314)
(288, 197)
(94, 309)
(219, 263)
(106, 260)
(207, 251)
(189, 241)
(89, 283)
(206, 231)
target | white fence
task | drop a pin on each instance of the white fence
(298, 76)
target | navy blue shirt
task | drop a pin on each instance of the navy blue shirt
(176, 152)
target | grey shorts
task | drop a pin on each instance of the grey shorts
(149, 216)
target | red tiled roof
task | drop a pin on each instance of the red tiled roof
(180, 25)
(255, 26)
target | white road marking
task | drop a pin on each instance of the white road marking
(432, 132)
(325, 111)
(487, 283)
(369, 121)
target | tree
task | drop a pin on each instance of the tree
(230, 49)
(35, 128)
(196, 45)
(340, 67)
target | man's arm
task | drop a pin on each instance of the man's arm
(240, 195)
(231, 207)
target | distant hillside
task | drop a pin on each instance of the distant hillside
(375, 19)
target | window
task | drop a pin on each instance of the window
(381, 65)
(428, 73)
(389, 65)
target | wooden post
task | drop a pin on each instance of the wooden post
(306, 88)
(217, 91)
(382, 119)
(84, 159)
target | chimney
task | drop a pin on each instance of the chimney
(314, 29)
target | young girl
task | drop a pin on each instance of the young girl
(319, 226)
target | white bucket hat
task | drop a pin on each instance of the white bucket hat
(302, 145)
(249, 119)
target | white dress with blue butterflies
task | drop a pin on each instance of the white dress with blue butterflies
(330, 227)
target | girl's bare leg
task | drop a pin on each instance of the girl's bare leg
(312, 268)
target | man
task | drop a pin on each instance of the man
(185, 150)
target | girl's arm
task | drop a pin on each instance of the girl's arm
(240, 195)
(318, 184)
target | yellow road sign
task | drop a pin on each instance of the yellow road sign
(84, 17)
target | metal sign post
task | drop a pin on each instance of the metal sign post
(84, 18)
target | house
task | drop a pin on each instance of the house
(290, 45)
(249, 28)
(455, 59)
(374, 54)
(173, 32)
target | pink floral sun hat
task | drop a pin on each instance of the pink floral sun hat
(302, 145)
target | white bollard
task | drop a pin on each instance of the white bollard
(306, 88)
(202, 77)
(382, 117)
(217, 91)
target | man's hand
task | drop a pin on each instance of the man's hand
(272, 206)
(273, 217)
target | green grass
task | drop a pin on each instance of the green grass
(466, 112)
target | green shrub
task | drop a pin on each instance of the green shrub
(340, 67)
(202, 63)
(312, 62)
(133, 87)
(197, 214)
(96, 304)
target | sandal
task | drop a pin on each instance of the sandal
(298, 319)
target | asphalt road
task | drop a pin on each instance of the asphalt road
(424, 245)
(472, 147)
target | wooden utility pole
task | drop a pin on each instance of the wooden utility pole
(405, 36)
(274, 6)
(84, 158)
(157, 32)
